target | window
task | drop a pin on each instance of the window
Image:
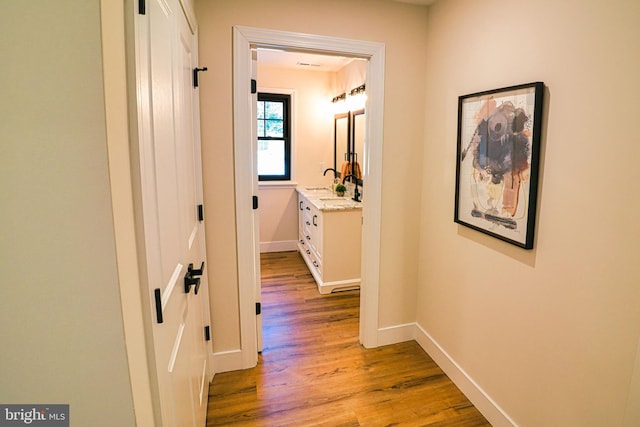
(274, 137)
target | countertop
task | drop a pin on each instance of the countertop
(326, 200)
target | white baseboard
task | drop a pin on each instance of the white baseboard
(480, 399)
(279, 246)
(396, 334)
(232, 361)
(226, 361)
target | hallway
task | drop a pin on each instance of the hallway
(313, 371)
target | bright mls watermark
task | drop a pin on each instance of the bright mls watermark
(34, 415)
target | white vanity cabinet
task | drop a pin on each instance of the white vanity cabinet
(329, 241)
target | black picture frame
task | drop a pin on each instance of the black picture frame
(497, 162)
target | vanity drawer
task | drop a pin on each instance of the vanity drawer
(315, 261)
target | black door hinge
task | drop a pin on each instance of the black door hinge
(207, 333)
(142, 7)
(258, 308)
(254, 86)
(195, 75)
(158, 299)
(255, 202)
(200, 213)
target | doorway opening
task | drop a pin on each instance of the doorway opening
(301, 113)
(247, 184)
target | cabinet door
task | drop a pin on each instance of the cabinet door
(301, 205)
(304, 223)
(315, 232)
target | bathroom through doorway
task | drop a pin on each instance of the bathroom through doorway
(246, 173)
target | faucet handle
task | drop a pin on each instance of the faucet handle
(356, 195)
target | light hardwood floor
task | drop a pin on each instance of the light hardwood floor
(313, 371)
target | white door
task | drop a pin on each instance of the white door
(170, 192)
(256, 218)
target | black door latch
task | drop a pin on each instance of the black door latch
(191, 278)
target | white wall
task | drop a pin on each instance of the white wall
(351, 76)
(550, 334)
(312, 149)
(278, 218)
(313, 118)
(62, 331)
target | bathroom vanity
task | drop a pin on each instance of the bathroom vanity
(330, 232)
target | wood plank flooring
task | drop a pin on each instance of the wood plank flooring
(313, 371)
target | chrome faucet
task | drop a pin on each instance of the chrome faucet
(356, 192)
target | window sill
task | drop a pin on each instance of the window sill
(277, 184)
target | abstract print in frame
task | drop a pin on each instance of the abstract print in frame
(497, 162)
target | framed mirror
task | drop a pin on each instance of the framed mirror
(342, 141)
(358, 137)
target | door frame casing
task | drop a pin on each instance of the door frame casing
(374, 52)
(116, 21)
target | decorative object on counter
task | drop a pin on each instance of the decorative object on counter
(497, 162)
(340, 189)
(336, 181)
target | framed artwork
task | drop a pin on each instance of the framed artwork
(497, 162)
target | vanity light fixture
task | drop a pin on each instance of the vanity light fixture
(358, 90)
(341, 97)
(352, 101)
(354, 92)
